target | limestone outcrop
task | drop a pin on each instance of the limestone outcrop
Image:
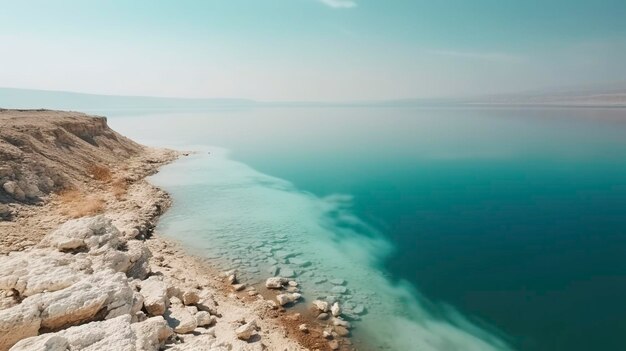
(113, 334)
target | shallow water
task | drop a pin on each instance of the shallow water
(511, 218)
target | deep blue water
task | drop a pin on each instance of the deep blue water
(515, 217)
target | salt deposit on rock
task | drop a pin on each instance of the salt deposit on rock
(286, 298)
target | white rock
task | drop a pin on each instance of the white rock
(335, 309)
(114, 334)
(103, 292)
(337, 281)
(284, 299)
(40, 270)
(246, 331)
(321, 305)
(18, 322)
(180, 319)
(208, 305)
(154, 293)
(139, 257)
(191, 297)
(303, 328)
(91, 233)
(204, 319)
(275, 282)
(151, 334)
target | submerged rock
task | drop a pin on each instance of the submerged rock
(287, 272)
(337, 281)
(339, 289)
(321, 305)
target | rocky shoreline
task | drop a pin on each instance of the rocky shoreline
(83, 270)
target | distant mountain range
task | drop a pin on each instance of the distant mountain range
(27, 98)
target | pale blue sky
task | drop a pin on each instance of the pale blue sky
(311, 49)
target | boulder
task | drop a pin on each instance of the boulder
(191, 297)
(276, 282)
(139, 257)
(180, 319)
(154, 292)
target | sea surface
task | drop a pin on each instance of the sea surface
(449, 228)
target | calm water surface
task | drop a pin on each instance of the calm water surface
(515, 217)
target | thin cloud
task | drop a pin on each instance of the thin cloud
(485, 56)
(339, 4)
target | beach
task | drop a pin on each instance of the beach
(84, 269)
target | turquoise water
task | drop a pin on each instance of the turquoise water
(455, 228)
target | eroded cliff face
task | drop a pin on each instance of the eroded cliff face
(45, 151)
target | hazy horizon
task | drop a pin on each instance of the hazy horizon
(311, 50)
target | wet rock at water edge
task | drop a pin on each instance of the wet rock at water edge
(284, 299)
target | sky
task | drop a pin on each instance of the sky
(311, 50)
